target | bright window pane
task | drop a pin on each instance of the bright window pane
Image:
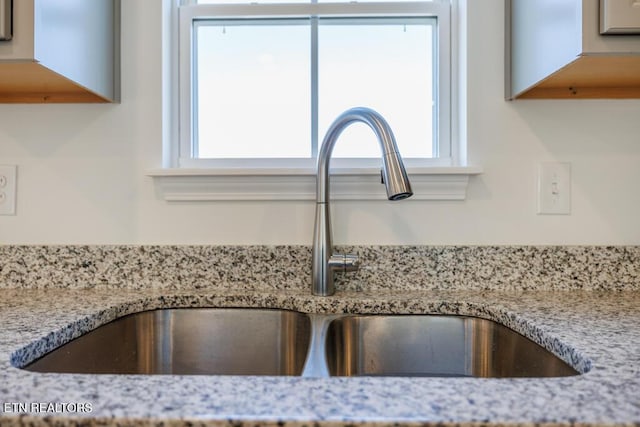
(253, 89)
(287, 1)
(251, 1)
(385, 65)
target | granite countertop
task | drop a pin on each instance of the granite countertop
(595, 329)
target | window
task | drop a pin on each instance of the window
(261, 82)
(271, 76)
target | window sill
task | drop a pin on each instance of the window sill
(234, 184)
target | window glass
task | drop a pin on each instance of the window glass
(290, 1)
(253, 95)
(253, 89)
(384, 64)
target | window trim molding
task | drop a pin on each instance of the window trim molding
(298, 184)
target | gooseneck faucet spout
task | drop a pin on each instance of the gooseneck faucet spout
(324, 261)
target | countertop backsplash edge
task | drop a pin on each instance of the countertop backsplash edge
(288, 267)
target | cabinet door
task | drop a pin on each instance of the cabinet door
(21, 46)
(620, 16)
(5, 20)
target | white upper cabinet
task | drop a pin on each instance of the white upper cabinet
(62, 51)
(555, 49)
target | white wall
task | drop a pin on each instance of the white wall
(82, 167)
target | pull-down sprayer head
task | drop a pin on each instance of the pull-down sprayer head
(393, 172)
(395, 177)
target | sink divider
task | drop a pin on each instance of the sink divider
(315, 365)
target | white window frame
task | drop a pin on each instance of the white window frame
(188, 15)
(188, 179)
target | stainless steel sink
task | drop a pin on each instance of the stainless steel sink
(217, 341)
(434, 346)
(188, 341)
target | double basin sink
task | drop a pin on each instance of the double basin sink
(221, 341)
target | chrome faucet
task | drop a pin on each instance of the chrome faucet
(394, 176)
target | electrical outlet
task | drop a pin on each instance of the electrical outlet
(554, 188)
(8, 189)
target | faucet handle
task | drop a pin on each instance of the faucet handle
(351, 262)
(344, 262)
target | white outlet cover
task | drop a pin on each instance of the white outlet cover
(8, 189)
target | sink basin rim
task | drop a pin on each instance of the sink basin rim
(371, 345)
(576, 358)
(187, 341)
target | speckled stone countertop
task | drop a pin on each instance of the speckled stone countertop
(595, 330)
